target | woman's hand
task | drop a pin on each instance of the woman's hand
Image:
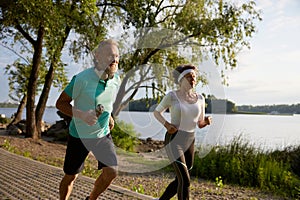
(170, 128)
(207, 121)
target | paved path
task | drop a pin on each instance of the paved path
(25, 179)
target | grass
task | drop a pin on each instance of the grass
(241, 163)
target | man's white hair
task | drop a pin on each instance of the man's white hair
(103, 44)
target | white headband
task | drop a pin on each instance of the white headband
(185, 72)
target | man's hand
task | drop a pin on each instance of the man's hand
(89, 117)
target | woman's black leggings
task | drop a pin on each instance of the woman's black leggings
(180, 150)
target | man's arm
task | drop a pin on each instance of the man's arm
(63, 104)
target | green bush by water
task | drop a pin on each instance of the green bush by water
(124, 135)
(243, 164)
(4, 120)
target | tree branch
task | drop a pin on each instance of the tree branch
(19, 55)
(137, 84)
(112, 4)
(158, 10)
(170, 6)
(151, 87)
(25, 34)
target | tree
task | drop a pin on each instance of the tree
(163, 31)
(45, 27)
(18, 73)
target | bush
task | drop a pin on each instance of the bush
(124, 135)
(243, 164)
(291, 155)
(4, 120)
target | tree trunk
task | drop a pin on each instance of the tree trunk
(117, 107)
(31, 130)
(18, 115)
(120, 103)
(41, 106)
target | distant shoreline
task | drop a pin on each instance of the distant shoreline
(262, 113)
(276, 113)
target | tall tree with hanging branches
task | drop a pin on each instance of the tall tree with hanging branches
(157, 36)
(162, 31)
(43, 27)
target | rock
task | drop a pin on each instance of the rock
(22, 126)
(149, 139)
(14, 130)
(2, 126)
(149, 145)
(45, 126)
(57, 128)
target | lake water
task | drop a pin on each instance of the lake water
(264, 131)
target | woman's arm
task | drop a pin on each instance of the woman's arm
(170, 127)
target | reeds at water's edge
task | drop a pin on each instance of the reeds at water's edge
(241, 163)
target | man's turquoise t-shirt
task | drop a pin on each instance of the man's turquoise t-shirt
(88, 90)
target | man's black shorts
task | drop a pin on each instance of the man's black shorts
(78, 149)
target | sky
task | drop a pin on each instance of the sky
(267, 74)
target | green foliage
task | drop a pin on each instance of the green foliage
(139, 189)
(27, 154)
(180, 32)
(219, 182)
(18, 78)
(213, 105)
(90, 170)
(241, 163)
(289, 155)
(280, 108)
(4, 120)
(8, 105)
(222, 25)
(28, 16)
(8, 146)
(124, 135)
(143, 104)
(40, 30)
